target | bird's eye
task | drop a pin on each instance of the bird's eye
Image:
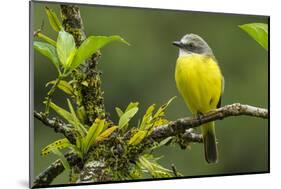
(191, 45)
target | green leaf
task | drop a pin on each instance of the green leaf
(64, 86)
(70, 58)
(79, 145)
(81, 114)
(85, 83)
(40, 35)
(65, 48)
(258, 31)
(119, 112)
(70, 117)
(156, 170)
(78, 125)
(53, 19)
(58, 144)
(160, 122)
(145, 163)
(135, 173)
(91, 45)
(62, 158)
(62, 112)
(105, 134)
(127, 116)
(93, 132)
(146, 120)
(47, 50)
(137, 137)
(162, 143)
(161, 111)
(131, 105)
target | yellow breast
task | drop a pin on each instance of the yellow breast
(199, 81)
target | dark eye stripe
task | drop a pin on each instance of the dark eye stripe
(190, 46)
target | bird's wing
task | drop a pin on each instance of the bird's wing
(222, 90)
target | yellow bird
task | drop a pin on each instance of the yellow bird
(201, 84)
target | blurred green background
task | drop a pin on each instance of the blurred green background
(144, 72)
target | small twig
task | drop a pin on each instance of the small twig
(57, 125)
(38, 33)
(46, 177)
(174, 170)
(42, 25)
(50, 95)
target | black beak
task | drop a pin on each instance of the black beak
(178, 44)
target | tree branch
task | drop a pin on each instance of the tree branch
(46, 177)
(183, 124)
(57, 125)
(190, 136)
(90, 96)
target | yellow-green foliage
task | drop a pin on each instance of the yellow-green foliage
(53, 19)
(149, 121)
(66, 57)
(58, 144)
(148, 163)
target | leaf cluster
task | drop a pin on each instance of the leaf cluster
(66, 58)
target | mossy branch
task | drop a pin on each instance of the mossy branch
(58, 125)
(180, 126)
(46, 177)
(90, 96)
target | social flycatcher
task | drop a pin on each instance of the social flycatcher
(200, 82)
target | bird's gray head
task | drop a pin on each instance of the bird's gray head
(192, 43)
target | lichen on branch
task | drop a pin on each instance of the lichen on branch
(88, 81)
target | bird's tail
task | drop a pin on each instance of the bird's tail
(210, 145)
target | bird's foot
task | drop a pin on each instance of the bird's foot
(199, 116)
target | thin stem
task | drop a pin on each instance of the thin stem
(174, 170)
(40, 35)
(50, 95)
